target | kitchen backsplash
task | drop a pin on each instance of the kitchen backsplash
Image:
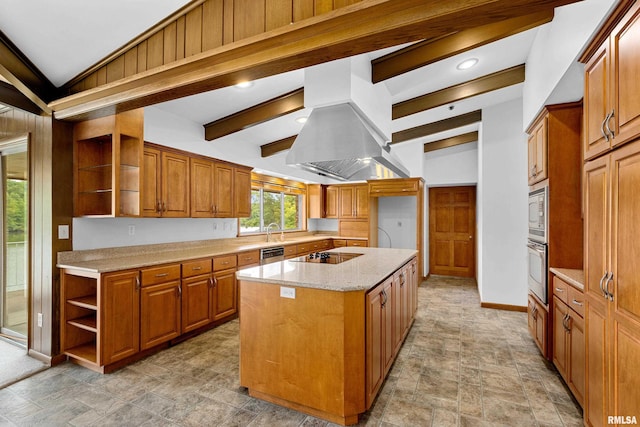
(94, 233)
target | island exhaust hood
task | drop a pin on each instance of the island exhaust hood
(338, 139)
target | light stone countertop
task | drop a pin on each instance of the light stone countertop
(360, 273)
(572, 276)
(131, 257)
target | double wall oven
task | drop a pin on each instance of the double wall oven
(537, 242)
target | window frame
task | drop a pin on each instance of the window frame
(282, 193)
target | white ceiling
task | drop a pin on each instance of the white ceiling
(64, 37)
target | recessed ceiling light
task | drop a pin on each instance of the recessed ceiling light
(301, 119)
(244, 85)
(466, 64)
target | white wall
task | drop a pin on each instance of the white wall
(502, 207)
(397, 222)
(93, 233)
(554, 53)
(450, 166)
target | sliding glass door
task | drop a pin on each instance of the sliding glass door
(14, 207)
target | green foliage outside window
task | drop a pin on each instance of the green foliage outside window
(273, 206)
(16, 209)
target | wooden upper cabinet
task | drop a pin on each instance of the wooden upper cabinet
(596, 103)
(223, 194)
(107, 163)
(202, 188)
(242, 192)
(316, 194)
(612, 105)
(331, 202)
(353, 201)
(537, 148)
(165, 184)
(151, 183)
(175, 185)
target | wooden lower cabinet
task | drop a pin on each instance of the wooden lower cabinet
(120, 298)
(537, 322)
(569, 347)
(197, 302)
(160, 313)
(380, 342)
(225, 291)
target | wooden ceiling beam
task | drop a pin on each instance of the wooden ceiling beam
(431, 51)
(11, 96)
(259, 113)
(451, 142)
(351, 30)
(436, 127)
(275, 147)
(484, 84)
(22, 74)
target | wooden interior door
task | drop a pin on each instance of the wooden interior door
(452, 229)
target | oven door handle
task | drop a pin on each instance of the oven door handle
(535, 248)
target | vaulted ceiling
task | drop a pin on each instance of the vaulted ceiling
(429, 94)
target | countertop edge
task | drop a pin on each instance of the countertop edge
(575, 277)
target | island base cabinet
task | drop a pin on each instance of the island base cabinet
(326, 333)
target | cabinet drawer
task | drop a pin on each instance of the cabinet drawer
(561, 289)
(224, 262)
(196, 268)
(248, 258)
(576, 300)
(162, 274)
(339, 243)
(290, 251)
(360, 243)
(304, 248)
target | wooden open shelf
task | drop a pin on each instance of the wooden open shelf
(89, 302)
(86, 352)
(87, 323)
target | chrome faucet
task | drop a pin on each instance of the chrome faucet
(269, 230)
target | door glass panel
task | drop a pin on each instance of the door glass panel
(15, 239)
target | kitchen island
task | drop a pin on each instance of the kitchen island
(319, 335)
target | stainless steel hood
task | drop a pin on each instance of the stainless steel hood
(338, 142)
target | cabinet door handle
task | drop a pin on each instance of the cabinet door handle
(211, 282)
(559, 290)
(197, 268)
(565, 322)
(607, 120)
(179, 291)
(609, 295)
(602, 131)
(576, 302)
(159, 206)
(215, 281)
(164, 207)
(162, 274)
(601, 281)
(137, 283)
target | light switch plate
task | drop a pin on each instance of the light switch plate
(286, 292)
(63, 232)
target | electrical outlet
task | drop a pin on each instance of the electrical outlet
(286, 292)
(215, 226)
(40, 320)
(63, 232)
(132, 230)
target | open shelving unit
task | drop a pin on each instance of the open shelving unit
(79, 316)
(108, 158)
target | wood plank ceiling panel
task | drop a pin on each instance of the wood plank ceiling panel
(488, 83)
(359, 28)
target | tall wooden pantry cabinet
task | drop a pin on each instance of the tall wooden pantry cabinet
(611, 211)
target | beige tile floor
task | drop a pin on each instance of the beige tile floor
(461, 365)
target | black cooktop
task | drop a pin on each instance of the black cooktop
(326, 257)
